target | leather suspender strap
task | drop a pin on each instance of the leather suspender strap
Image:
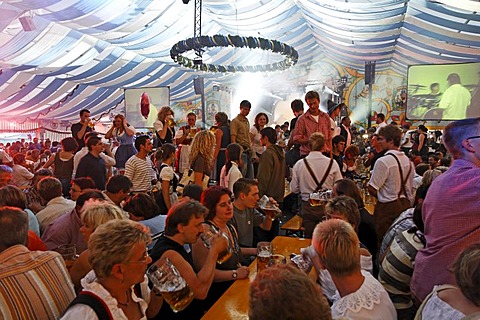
(319, 184)
(402, 181)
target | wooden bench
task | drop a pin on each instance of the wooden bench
(294, 226)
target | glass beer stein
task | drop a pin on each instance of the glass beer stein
(209, 232)
(168, 281)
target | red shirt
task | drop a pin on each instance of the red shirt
(34, 242)
(307, 125)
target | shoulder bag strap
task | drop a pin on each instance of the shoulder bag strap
(93, 301)
(402, 181)
(319, 184)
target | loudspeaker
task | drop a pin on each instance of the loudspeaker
(370, 72)
(27, 23)
(198, 85)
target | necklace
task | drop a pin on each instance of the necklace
(126, 303)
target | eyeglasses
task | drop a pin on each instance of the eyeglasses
(473, 137)
(143, 260)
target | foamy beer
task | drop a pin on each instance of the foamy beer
(314, 199)
(209, 232)
(172, 286)
(264, 252)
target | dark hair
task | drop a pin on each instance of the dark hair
(89, 135)
(338, 139)
(423, 128)
(392, 133)
(243, 185)
(181, 213)
(49, 188)
(83, 111)
(118, 183)
(193, 191)
(312, 95)
(270, 134)
(454, 78)
(165, 152)
(210, 198)
(84, 183)
(445, 161)
(255, 122)
(13, 227)
(142, 205)
(297, 105)
(69, 144)
(348, 188)
(221, 118)
(233, 152)
(43, 172)
(92, 141)
(140, 141)
(421, 168)
(245, 104)
(12, 196)
(381, 116)
(93, 194)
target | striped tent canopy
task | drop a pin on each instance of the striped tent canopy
(83, 53)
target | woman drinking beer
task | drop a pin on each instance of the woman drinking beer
(119, 259)
(220, 211)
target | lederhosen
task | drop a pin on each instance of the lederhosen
(313, 215)
(386, 213)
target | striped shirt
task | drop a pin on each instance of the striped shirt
(141, 173)
(33, 284)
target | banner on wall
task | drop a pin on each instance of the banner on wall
(142, 105)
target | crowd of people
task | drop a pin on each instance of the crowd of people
(148, 200)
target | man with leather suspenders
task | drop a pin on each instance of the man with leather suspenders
(391, 181)
(312, 174)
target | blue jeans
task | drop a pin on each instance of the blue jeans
(247, 166)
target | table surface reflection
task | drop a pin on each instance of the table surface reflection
(233, 304)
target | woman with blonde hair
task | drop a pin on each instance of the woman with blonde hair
(201, 157)
(119, 260)
(123, 133)
(164, 125)
(95, 213)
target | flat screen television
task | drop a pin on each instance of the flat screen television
(443, 91)
(142, 105)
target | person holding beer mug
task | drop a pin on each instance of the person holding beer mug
(184, 225)
(220, 211)
(314, 173)
(119, 259)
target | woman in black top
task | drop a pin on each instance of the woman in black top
(220, 211)
(222, 140)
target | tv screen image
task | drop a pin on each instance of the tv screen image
(443, 91)
(142, 105)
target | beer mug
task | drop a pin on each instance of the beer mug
(172, 286)
(192, 132)
(276, 259)
(314, 199)
(209, 232)
(266, 205)
(69, 254)
(264, 252)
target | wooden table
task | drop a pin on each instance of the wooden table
(233, 304)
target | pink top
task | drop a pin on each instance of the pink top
(452, 223)
(306, 126)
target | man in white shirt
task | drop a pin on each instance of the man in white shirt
(139, 168)
(380, 122)
(391, 181)
(303, 181)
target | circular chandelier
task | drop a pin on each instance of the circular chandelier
(198, 43)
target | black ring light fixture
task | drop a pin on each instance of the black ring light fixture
(198, 43)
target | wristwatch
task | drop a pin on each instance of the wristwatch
(234, 274)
